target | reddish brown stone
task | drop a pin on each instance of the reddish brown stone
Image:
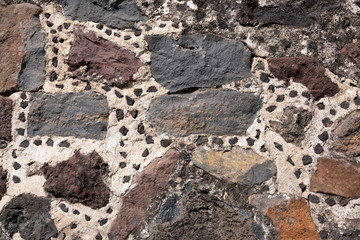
(79, 179)
(148, 184)
(3, 180)
(334, 176)
(353, 51)
(304, 70)
(101, 57)
(292, 220)
(5, 118)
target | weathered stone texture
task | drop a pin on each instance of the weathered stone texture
(5, 118)
(101, 57)
(292, 220)
(197, 61)
(79, 179)
(335, 176)
(210, 112)
(117, 14)
(3, 182)
(83, 115)
(29, 215)
(304, 70)
(238, 165)
(149, 183)
(353, 51)
(21, 48)
(291, 126)
(346, 135)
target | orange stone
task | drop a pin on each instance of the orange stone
(292, 220)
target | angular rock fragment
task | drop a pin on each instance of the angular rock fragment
(353, 51)
(29, 215)
(117, 14)
(336, 176)
(304, 70)
(5, 118)
(79, 179)
(82, 115)
(292, 124)
(346, 136)
(197, 61)
(147, 184)
(101, 57)
(292, 220)
(209, 112)
(3, 182)
(238, 165)
(21, 48)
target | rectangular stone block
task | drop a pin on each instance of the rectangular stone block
(5, 118)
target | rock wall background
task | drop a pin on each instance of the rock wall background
(168, 119)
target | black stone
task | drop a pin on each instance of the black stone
(302, 187)
(165, 142)
(53, 76)
(37, 142)
(345, 105)
(306, 95)
(330, 201)
(130, 101)
(333, 112)
(16, 165)
(55, 50)
(290, 161)
(123, 154)
(357, 101)
(297, 173)
(63, 207)
(22, 117)
(108, 32)
(124, 131)
(293, 93)
(217, 141)
(318, 149)
(24, 144)
(87, 218)
(122, 164)
(141, 128)
(149, 140)
(134, 113)
(119, 114)
(264, 78)
(98, 237)
(136, 166)
(306, 159)
(323, 234)
(324, 136)
(50, 142)
(126, 179)
(106, 88)
(102, 222)
(16, 179)
(99, 26)
(271, 108)
(233, 141)
(20, 131)
(138, 92)
(313, 198)
(13, 154)
(76, 212)
(127, 37)
(280, 98)
(320, 106)
(49, 24)
(24, 104)
(64, 144)
(278, 146)
(151, 89)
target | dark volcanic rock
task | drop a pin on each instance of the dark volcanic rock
(148, 184)
(292, 124)
(21, 48)
(3, 181)
(209, 112)
(79, 179)
(304, 70)
(5, 118)
(101, 57)
(197, 61)
(83, 115)
(29, 215)
(117, 14)
(352, 50)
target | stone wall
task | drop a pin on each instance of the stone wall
(170, 119)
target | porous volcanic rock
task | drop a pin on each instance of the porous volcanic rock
(346, 136)
(237, 165)
(29, 215)
(82, 115)
(291, 126)
(197, 61)
(21, 48)
(3, 182)
(148, 183)
(5, 118)
(210, 112)
(103, 57)
(336, 176)
(304, 70)
(79, 179)
(292, 220)
(117, 14)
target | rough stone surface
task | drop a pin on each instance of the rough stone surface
(292, 124)
(101, 57)
(83, 115)
(212, 112)
(335, 176)
(304, 70)
(5, 118)
(238, 165)
(148, 184)
(3, 181)
(346, 135)
(197, 61)
(352, 50)
(117, 14)
(21, 48)
(29, 215)
(79, 179)
(292, 220)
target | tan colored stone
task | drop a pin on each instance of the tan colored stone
(292, 220)
(337, 177)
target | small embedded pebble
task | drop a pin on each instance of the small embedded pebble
(63, 207)
(75, 84)
(47, 15)
(37, 142)
(260, 65)
(55, 62)
(13, 154)
(61, 86)
(76, 212)
(49, 24)
(289, 160)
(118, 94)
(264, 78)
(280, 98)
(318, 149)
(67, 25)
(64, 144)
(134, 113)
(127, 37)
(126, 179)
(149, 140)
(306, 159)
(20, 131)
(165, 142)
(130, 101)
(323, 234)
(136, 166)
(152, 89)
(109, 211)
(53, 76)
(217, 141)
(16, 179)
(141, 128)
(137, 33)
(293, 93)
(258, 132)
(87, 218)
(324, 136)
(98, 237)
(271, 108)
(122, 143)
(50, 142)
(60, 28)
(313, 198)
(123, 154)
(201, 140)
(320, 106)
(124, 131)
(55, 50)
(87, 87)
(138, 92)
(108, 32)
(302, 187)
(333, 112)
(305, 95)
(162, 25)
(136, 45)
(99, 26)
(106, 88)
(250, 141)
(24, 144)
(263, 148)
(357, 101)
(22, 117)
(297, 173)
(330, 201)
(327, 122)
(271, 88)
(345, 105)
(119, 114)
(103, 221)
(73, 226)
(23, 96)
(122, 164)
(279, 146)
(321, 219)
(233, 141)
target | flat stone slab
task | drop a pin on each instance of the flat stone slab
(222, 112)
(82, 115)
(117, 14)
(197, 61)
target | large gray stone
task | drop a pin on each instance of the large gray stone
(197, 61)
(83, 115)
(117, 14)
(222, 112)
